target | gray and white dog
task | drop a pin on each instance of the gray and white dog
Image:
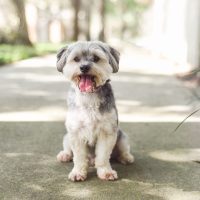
(93, 132)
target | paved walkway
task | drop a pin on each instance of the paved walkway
(151, 103)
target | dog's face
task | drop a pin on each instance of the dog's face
(88, 64)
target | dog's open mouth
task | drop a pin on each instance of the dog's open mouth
(86, 83)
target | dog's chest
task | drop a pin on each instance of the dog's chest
(95, 123)
(87, 121)
(88, 106)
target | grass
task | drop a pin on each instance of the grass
(12, 53)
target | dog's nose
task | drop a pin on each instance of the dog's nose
(85, 68)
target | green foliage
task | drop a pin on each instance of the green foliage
(12, 53)
(113, 6)
(43, 48)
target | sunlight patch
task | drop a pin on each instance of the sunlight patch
(78, 193)
(35, 187)
(169, 193)
(11, 155)
(148, 116)
(177, 155)
(51, 113)
(164, 191)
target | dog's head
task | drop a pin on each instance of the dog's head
(88, 64)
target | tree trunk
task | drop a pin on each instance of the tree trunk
(102, 20)
(22, 35)
(76, 7)
(88, 19)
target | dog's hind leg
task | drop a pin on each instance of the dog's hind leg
(121, 151)
(66, 154)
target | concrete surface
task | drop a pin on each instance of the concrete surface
(151, 104)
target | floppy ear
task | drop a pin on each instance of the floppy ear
(114, 59)
(61, 59)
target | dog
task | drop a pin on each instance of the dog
(93, 133)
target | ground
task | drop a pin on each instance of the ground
(151, 103)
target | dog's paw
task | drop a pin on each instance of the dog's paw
(64, 157)
(126, 159)
(77, 176)
(109, 175)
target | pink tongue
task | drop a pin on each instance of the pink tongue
(85, 84)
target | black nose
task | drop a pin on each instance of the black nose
(85, 68)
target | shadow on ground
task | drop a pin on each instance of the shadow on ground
(29, 169)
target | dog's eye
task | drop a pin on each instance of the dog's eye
(76, 59)
(96, 59)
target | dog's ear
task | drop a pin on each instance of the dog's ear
(113, 55)
(61, 58)
(114, 59)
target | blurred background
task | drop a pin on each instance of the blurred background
(159, 40)
(164, 27)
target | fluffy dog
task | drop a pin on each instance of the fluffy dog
(93, 133)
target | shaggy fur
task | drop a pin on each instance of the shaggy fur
(93, 135)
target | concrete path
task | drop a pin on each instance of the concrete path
(151, 104)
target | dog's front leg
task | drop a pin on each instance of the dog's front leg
(103, 150)
(80, 151)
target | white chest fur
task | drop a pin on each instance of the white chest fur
(85, 121)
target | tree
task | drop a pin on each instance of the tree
(76, 7)
(88, 19)
(102, 20)
(22, 35)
